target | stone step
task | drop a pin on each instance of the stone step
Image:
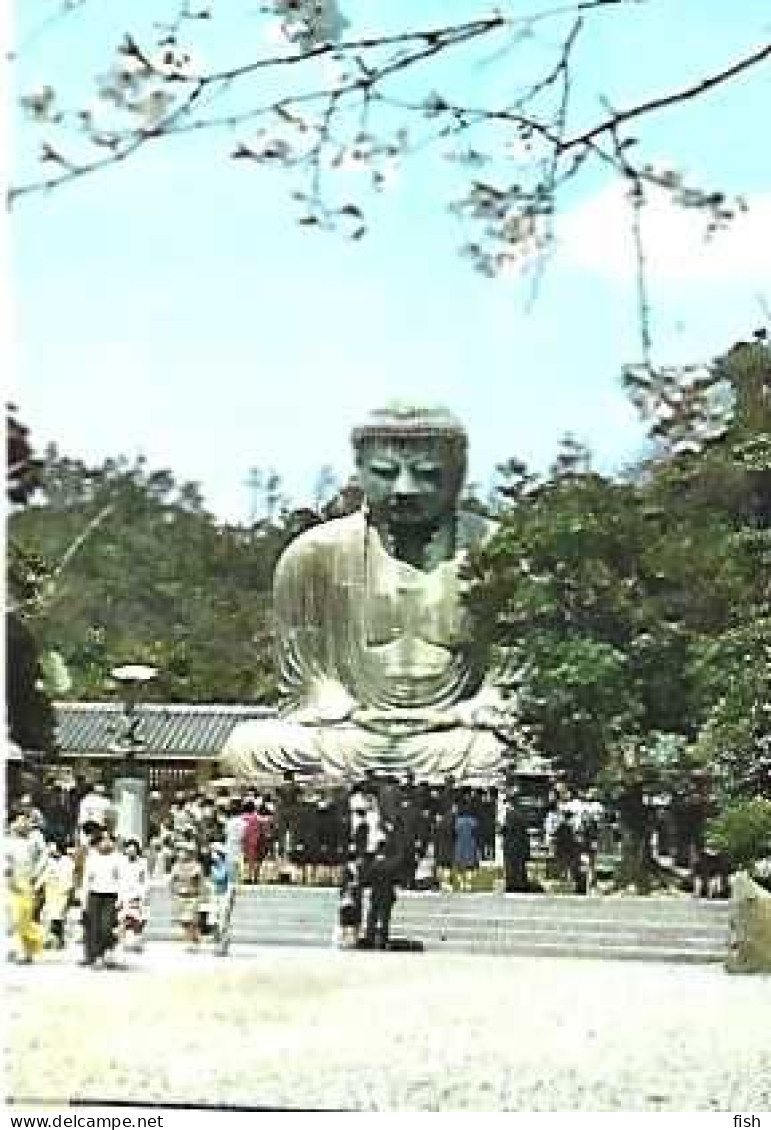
(579, 947)
(634, 929)
(590, 911)
(607, 949)
(651, 932)
(484, 927)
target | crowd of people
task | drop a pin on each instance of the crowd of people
(66, 866)
(70, 871)
(379, 834)
(93, 880)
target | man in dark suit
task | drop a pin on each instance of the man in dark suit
(380, 878)
(407, 832)
(516, 848)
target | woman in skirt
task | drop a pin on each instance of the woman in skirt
(187, 890)
(466, 848)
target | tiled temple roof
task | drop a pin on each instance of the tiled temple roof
(176, 730)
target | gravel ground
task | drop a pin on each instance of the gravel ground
(311, 1029)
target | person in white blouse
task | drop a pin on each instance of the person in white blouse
(101, 890)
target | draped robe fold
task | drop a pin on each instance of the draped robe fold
(374, 657)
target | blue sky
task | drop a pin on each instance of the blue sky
(173, 307)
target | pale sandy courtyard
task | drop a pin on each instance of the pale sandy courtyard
(315, 1029)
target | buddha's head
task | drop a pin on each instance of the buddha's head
(411, 463)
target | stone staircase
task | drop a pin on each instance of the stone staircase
(676, 929)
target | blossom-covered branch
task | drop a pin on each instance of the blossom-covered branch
(334, 105)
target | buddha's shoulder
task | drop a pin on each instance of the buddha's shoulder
(334, 534)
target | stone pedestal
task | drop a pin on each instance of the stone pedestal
(750, 950)
(130, 800)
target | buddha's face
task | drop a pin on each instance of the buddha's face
(410, 480)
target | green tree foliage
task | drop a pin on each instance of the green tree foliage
(558, 591)
(733, 677)
(29, 712)
(22, 469)
(156, 581)
(743, 831)
(638, 608)
(28, 709)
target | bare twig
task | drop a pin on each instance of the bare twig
(561, 74)
(59, 13)
(637, 201)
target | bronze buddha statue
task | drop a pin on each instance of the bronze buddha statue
(376, 664)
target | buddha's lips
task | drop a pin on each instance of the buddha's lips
(408, 510)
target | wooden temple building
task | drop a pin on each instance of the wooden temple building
(178, 744)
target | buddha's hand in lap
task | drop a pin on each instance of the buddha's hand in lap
(404, 721)
(327, 703)
(482, 712)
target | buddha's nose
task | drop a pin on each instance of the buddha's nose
(405, 485)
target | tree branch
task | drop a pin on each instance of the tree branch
(678, 96)
(514, 210)
(436, 38)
